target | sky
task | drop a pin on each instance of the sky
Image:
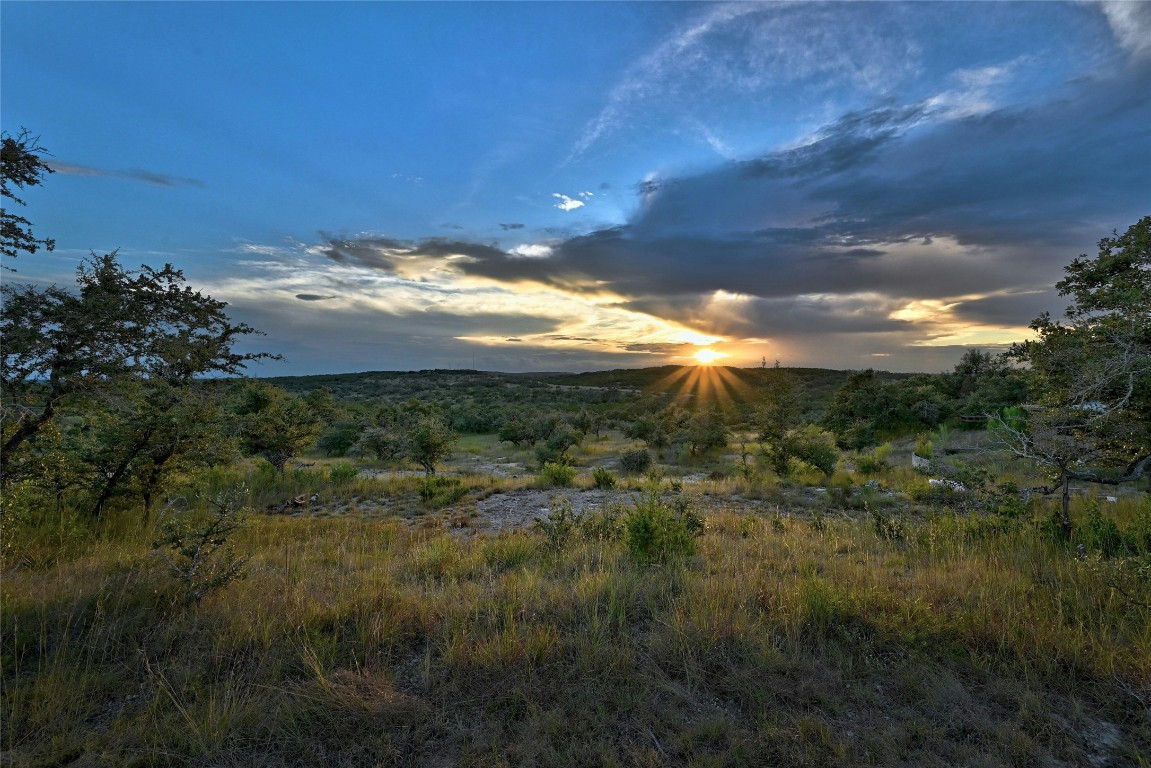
(564, 186)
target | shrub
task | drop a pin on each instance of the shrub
(635, 460)
(438, 491)
(888, 528)
(602, 526)
(343, 473)
(604, 479)
(657, 533)
(555, 474)
(559, 525)
(875, 460)
(197, 548)
(923, 446)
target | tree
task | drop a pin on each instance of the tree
(429, 441)
(706, 430)
(69, 350)
(274, 425)
(23, 166)
(778, 413)
(1090, 419)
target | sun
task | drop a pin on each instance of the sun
(707, 356)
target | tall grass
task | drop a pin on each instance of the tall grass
(361, 642)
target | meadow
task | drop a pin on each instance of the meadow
(706, 613)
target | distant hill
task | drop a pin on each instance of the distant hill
(738, 387)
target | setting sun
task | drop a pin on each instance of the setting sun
(707, 356)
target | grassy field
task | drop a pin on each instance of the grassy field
(784, 635)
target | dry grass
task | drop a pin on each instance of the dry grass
(372, 642)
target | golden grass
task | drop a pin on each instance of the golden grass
(364, 642)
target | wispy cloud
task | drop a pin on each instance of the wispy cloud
(148, 177)
(750, 49)
(1131, 24)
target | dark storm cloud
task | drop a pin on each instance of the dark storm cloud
(148, 177)
(895, 202)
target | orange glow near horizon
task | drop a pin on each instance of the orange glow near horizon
(707, 356)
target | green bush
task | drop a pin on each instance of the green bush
(923, 446)
(343, 473)
(874, 461)
(557, 475)
(604, 479)
(196, 546)
(439, 491)
(657, 533)
(635, 460)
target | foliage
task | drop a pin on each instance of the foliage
(384, 443)
(557, 474)
(428, 441)
(1090, 419)
(340, 438)
(554, 449)
(22, 166)
(341, 474)
(198, 550)
(655, 532)
(923, 446)
(437, 491)
(559, 526)
(874, 461)
(273, 424)
(604, 478)
(814, 446)
(777, 415)
(120, 358)
(635, 460)
(706, 430)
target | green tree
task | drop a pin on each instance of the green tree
(22, 164)
(1090, 415)
(66, 351)
(706, 430)
(428, 441)
(779, 411)
(274, 425)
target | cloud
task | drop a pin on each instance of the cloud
(567, 203)
(751, 50)
(148, 177)
(506, 227)
(1131, 24)
(312, 297)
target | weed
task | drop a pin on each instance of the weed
(603, 525)
(197, 547)
(888, 527)
(438, 491)
(603, 478)
(818, 524)
(657, 533)
(559, 526)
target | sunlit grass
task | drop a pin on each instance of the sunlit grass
(353, 638)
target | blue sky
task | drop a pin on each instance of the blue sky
(569, 186)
